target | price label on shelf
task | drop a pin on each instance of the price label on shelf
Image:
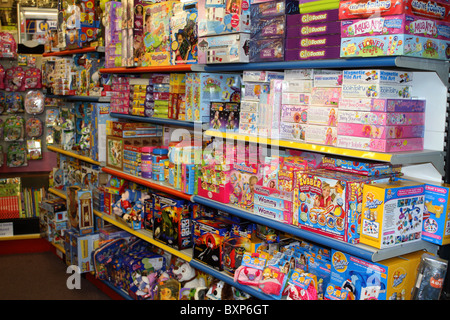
(6, 229)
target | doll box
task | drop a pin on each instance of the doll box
(382, 118)
(374, 76)
(379, 132)
(312, 53)
(380, 145)
(395, 24)
(392, 213)
(358, 167)
(364, 90)
(436, 217)
(313, 29)
(313, 42)
(230, 48)
(390, 279)
(394, 45)
(222, 17)
(382, 105)
(243, 179)
(357, 9)
(312, 17)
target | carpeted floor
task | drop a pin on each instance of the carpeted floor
(41, 276)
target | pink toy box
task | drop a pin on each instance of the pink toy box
(243, 178)
(382, 118)
(379, 132)
(323, 115)
(294, 113)
(328, 203)
(325, 96)
(325, 135)
(382, 105)
(380, 145)
(396, 24)
(357, 9)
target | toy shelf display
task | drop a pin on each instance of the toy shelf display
(269, 144)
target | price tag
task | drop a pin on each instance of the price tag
(6, 229)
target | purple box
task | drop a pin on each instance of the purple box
(379, 132)
(313, 29)
(329, 40)
(313, 17)
(382, 105)
(267, 49)
(306, 54)
(268, 27)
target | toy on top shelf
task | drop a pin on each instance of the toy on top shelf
(8, 47)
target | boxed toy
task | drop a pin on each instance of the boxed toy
(328, 203)
(394, 45)
(81, 252)
(436, 214)
(380, 145)
(392, 213)
(390, 279)
(363, 90)
(382, 105)
(79, 210)
(297, 85)
(208, 237)
(313, 17)
(294, 113)
(380, 132)
(314, 29)
(183, 33)
(382, 118)
(322, 115)
(325, 96)
(371, 169)
(266, 49)
(230, 48)
(376, 76)
(356, 9)
(267, 9)
(307, 54)
(292, 131)
(224, 116)
(172, 222)
(100, 115)
(326, 135)
(268, 27)
(329, 40)
(223, 16)
(243, 178)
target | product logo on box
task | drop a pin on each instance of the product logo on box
(398, 277)
(339, 261)
(428, 6)
(371, 202)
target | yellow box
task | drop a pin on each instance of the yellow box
(392, 213)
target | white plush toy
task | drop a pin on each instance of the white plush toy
(187, 276)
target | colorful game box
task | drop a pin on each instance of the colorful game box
(436, 218)
(392, 213)
(371, 169)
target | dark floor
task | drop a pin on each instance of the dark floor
(41, 276)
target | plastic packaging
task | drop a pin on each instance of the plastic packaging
(430, 278)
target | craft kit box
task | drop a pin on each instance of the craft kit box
(380, 145)
(392, 213)
(382, 118)
(308, 54)
(313, 42)
(319, 134)
(268, 27)
(361, 168)
(222, 17)
(396, 24)
(364, 90)
(229, 48)
(379, 132)
(436, 217)
(204, 88)
(328, 203)
(312, 17)
(390, 279)
(382, 105)
(297, 85)
(376, 76)
(313, 29)
(394, 45)
(322, 115)
(357, 9)
(294, 113)
(292, 131)
(325, 96)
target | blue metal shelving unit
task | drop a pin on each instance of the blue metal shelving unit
(161, 121)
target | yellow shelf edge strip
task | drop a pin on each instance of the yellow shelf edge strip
(72, 154)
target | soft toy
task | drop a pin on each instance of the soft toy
(219, 290)
(187, 276)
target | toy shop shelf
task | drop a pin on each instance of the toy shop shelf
(161, 121)
(228, 279)
(359, 250)
(69, 52)
(423, 156)
(21, 237)
(161, 186)
(131, 70)
(145, 235)
(80, 98)
(59, 193)
(72, 154)
(441, 67)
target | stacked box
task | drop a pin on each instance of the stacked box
(225, 116)
(268, 25)
(183, 33)
(409, 35)
(204, 88)
(177, 102)
(367, 121)
(120, 96)
(161, 95)
(113, 35)
(313, 35)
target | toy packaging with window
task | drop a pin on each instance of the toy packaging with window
(358, 279)
(79, 210)
(81, 252)
(430, 278)
(172, 222)
(436, 214)
(392, 213)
